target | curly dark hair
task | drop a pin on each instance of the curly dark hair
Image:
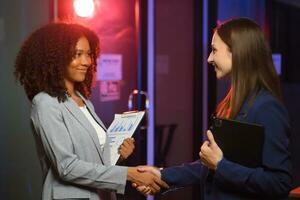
(41, 62)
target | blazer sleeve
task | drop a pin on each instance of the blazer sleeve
(184, 175)
(48, 122)
(274, 177)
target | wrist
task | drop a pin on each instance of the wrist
(217, 164)
(158, 172)
(131, 171)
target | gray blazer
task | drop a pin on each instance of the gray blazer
(73, 164)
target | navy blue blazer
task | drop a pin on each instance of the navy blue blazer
(233, 181)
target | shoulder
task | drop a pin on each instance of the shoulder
(43, 101)
(42, 97)
(269, 110)
(265, 101)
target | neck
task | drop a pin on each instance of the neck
(70, 87)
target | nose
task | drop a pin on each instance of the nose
(86, 60)
(210, 58)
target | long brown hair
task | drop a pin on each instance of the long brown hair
(44, 55)
(252, 64)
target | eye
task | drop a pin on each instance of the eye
(77, 54)
(213, 50)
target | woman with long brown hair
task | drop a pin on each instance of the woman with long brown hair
(240, 52)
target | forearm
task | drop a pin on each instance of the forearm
(258, 181)
(93, 175)
(184, 175)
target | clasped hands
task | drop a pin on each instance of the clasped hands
(210, 155)
(145, 178)
(148, 181)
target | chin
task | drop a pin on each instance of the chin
(219, 76)
(80, 78)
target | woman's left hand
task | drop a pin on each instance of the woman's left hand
(126, 148)
(210, 153)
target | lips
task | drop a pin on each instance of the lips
(215, 66)
(82, 70)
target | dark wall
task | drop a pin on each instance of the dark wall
(174, 80)
(20, 172)
(284, 26)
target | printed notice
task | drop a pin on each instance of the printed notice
(109, 67)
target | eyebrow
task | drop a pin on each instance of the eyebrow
(81, 50)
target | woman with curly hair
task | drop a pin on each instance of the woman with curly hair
(56, 65)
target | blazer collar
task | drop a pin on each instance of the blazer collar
(89, 106)
(73, 108)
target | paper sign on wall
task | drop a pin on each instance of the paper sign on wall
(109, 91)
(109, 67)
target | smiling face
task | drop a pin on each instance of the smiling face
(77, 69)
(220, 57)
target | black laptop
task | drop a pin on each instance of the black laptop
(240, 142)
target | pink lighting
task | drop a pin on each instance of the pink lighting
(84, 8)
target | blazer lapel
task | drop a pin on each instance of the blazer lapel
(81, 118)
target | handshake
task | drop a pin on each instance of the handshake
(146, 179)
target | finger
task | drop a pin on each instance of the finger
(121, 151)
(141, 188)
(200, 154)
(129, 140)
(149, 193)
(205, 144)
(210, 137)
(154, 187)
(134, 185)
(161, 183)
(202, 158)
(125, 144)
(125, 148)
(130, 143)
(146, 190)
(121, 147)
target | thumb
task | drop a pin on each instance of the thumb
(143, 168)
(210, 137)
